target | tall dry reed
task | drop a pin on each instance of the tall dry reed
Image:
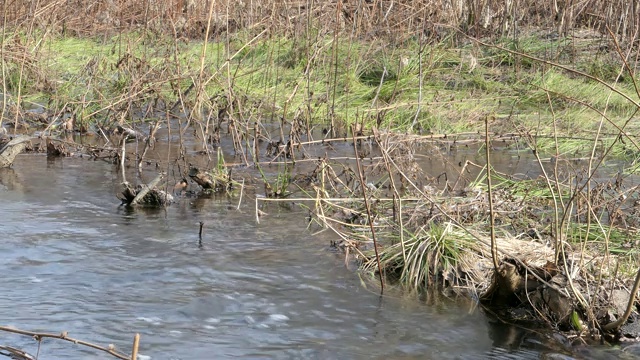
(390, 18)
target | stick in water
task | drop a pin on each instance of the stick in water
(200, 234)
(363, 186)
(136, 343)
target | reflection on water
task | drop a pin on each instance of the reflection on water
(74, 260)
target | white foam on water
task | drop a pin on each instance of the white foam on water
(278, 317)
(154, 320)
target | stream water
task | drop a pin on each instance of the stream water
(74, 260)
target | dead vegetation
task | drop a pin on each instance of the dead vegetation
(438, 236)
(380, 18)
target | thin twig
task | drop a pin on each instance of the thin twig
(136, 344)
(123, 153)
(147, 143)
(363, 186)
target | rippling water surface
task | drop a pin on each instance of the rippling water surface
(73, 260)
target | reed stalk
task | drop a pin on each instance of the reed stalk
(494, 245)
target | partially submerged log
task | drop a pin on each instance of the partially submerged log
(145, 195)
(11, 149)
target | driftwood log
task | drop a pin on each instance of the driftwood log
(145, 194)
(10, 150)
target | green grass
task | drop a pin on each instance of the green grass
(425, 254)
(339, 79)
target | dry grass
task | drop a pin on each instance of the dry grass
(392, 19)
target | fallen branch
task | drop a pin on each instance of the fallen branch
(145, 195)
(15, 353)
(64, 336)
(146, 188)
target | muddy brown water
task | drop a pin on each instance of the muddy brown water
(74, 260)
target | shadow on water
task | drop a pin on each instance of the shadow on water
(74, 260)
